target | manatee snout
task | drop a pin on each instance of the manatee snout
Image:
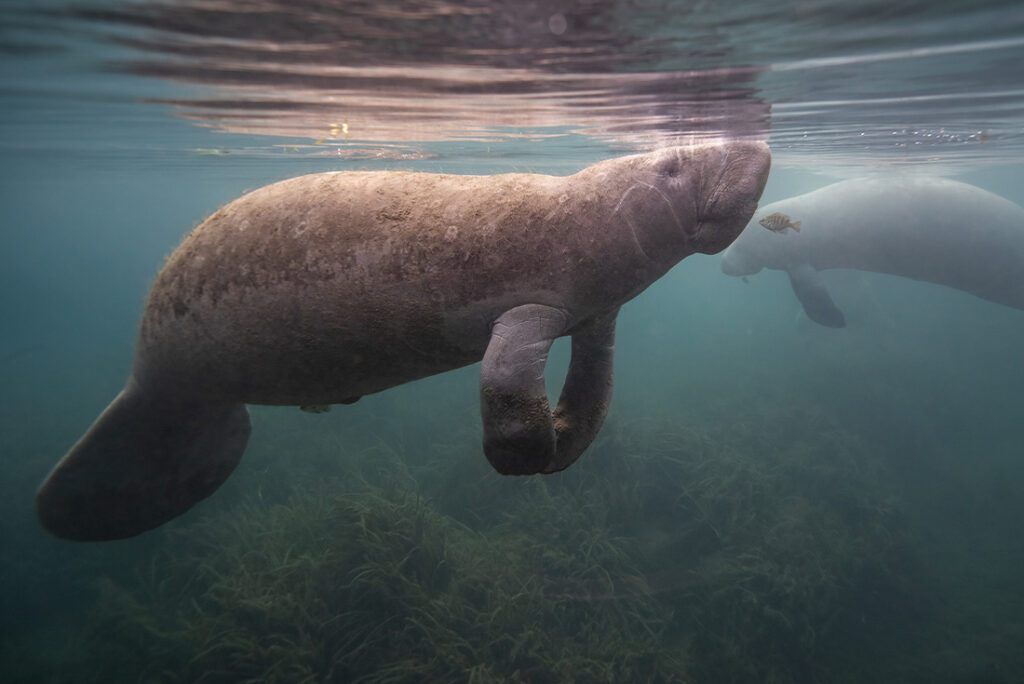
(736, 175)
(733, 264)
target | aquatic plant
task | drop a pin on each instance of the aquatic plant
(376, 586)
(758, 550)
(774, 539)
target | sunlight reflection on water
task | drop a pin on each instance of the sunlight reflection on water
(841, 82)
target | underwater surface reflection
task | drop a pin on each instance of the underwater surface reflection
(828, 78)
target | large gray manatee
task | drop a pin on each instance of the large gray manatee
(925, 228)
(324, 288)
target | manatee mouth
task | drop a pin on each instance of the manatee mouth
(712, 235)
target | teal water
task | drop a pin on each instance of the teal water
(769, 500)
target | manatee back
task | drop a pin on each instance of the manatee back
(325, 287)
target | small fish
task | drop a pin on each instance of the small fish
(778, 223)
(316, 408)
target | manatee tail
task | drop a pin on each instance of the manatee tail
(145, 460)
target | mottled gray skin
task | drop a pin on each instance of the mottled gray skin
(930, 229)
(324, 288)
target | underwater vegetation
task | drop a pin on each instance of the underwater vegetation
(721, 553)
(376, 586)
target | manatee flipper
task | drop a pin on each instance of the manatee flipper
(145, 460)
(519, 435)
(812, 293)
(587, 392)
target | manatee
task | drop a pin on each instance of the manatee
(325, 288)
(931, 229)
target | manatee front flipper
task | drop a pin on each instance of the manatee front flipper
(587, 392)
(145, 460)
(520, 436)
(811, 291)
